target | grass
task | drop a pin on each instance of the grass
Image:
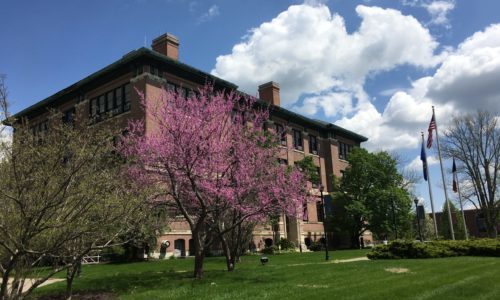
(295, 276)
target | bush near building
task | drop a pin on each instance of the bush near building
(435, 249)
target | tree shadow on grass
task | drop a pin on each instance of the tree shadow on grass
(118, 283)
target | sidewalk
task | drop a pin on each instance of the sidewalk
(30, 281)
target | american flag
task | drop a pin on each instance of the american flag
(432, 126)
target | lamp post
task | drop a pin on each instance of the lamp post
(418, 221)
(327, 257)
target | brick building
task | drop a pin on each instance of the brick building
(108, 94)
(474, 221)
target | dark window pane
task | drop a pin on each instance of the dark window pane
(118, 97)
(320, 212)
(313, 144)
(102, 104)
(281, 131)
(126, 100)
(93, 107)
(110, 101)
(68, 116)
(297, 139)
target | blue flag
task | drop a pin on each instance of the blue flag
(423, 157)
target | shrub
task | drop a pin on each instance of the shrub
(435, 249)
(317, 246)
(286, 244)
(269, 250)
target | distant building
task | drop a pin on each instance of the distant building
(474, 220)
(108, 94)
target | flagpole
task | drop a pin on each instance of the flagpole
(463, 214)
(461, 207)
(444, 179)
(430, 192)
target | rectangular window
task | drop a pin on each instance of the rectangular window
(110, 101)
(153, 70)
(305, 213)
(297, 139)
(69, 116)
(344, 150)
(138, 70)
(481, 223)
(281, 131)
(93, 107)
(319, 211)
(102, 104)
(313, 144)
(126, 98)
(118, 98)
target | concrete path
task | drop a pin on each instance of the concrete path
(335, 261)
(30, 281)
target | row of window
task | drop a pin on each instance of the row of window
(344, 150)
(297, 139)
(113, 102)
(320, 213)
(40, 128)
(184, 91)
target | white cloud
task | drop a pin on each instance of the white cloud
(469, 76)
(467, 80)
(399, 125)
(416, 163)
(211, 13)
(438, 10)
(322, 68)
(308, 50)
(332, 103)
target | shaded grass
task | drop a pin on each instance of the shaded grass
(296, 276)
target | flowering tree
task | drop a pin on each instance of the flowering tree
(213, 159)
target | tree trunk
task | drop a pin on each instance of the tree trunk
(355, 241)
(199, 252)
(5, 278)
(70, 276)
(199, 256)
(491, 225)
(227, 254)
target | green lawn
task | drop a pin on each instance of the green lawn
(296, 276)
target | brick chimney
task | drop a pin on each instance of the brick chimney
(270, 92)
(167, 44)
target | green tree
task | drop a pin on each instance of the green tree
(310, 170)
(371, 197)
(458, 224)
(62, 195)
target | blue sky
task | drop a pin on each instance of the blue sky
(375, 67)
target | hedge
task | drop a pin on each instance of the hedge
(435, 249)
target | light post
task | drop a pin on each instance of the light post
(327, 257)
(418, 221)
